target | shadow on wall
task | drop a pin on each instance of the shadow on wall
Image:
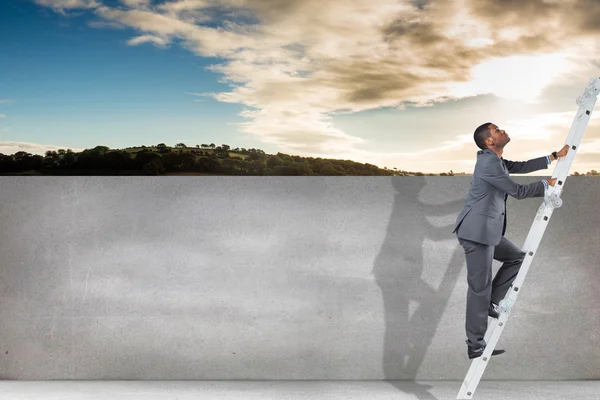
(398, 268)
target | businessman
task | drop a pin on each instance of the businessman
(481, 225)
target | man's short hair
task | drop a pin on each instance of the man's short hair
(481, 133)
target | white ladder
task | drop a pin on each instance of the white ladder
(552, 200)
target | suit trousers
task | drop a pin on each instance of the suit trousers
(482, 289)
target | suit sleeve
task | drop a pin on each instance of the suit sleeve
(493, 174)
(525, 167)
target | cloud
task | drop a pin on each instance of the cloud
(7, 147)
(178, 6)
(105, 24)
(202, 40)
(578, 17)
(60, 6)
(295, 64)
(158, 41)
(136, 3)
(2, 115)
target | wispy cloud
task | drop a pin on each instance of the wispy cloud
(2, 115)
(297, 63)
(136, 3)
(158, 41)
(61, 6)
(105, 24)
(12, 147)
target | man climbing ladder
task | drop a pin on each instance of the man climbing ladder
(481, 225)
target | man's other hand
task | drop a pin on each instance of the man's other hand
(563, 152)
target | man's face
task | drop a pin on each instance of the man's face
(499, 136)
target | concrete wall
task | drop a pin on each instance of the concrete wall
(278, 278)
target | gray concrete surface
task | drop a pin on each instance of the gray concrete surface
(294, 390)
(162, 278)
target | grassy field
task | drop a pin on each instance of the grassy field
(185, 150)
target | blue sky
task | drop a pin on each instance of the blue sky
(72, 85)
(395, 84)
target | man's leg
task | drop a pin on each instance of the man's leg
(512, 258)
(479, 277)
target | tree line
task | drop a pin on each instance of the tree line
(203, 159)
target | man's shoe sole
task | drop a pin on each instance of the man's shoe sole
(494, 353)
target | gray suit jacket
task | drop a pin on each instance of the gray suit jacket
(483, 217)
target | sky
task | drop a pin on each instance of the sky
(395, 83)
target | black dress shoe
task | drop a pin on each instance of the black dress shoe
(493, 311)
(477, 353)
